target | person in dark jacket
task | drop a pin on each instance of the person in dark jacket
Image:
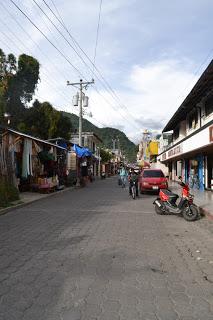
(133, 177)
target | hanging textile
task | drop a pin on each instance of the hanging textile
(38, 149)
(26, 159)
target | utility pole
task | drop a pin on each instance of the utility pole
(80, 85)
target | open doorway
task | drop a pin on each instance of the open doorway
(209, 170)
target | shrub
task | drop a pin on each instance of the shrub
(8, 193)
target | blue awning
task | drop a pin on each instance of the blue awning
(81, 151)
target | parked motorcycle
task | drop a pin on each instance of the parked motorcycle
(166, 203)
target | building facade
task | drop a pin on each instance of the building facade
(91, 141)
(190, 153)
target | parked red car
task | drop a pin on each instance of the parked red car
(152, 180)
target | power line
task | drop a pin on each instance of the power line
(27, 17)
(29, 36)
(42, 52)
(197, 71)
(94, 67)
(93, 64)
(97, 33)
(45, 37)
(59, 32)
(10, 40)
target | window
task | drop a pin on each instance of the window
(192, 119)
(153, 174)
(209, 106)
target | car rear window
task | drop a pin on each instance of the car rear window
(153, 174)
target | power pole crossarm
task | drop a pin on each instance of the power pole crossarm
(81, 85)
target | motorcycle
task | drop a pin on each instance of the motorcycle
(166, 203)
(133, 189)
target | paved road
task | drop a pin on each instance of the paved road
(94, 253)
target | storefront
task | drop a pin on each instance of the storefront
(194, 172)
(209, 171)
(38, 164)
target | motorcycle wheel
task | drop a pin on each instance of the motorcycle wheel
(190, 213)
(158, 210)
(133, 192)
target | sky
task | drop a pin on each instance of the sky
(149, 55)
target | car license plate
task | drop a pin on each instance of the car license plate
(155, 187)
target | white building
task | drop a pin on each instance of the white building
(92, 141)
(190, 154)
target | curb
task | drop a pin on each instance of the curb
(20, 205)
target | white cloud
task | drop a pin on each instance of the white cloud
(130, 32)
(152, 95)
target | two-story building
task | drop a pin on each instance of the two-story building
(91, 141)
(190, 154)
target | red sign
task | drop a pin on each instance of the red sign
(211, 134)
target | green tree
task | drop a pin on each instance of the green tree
(106, 156)
(18, 81)
(43, 121)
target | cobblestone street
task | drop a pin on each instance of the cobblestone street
(95, 253)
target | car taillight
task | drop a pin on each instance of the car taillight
(164, 183)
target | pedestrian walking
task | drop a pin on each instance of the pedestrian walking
(123, 176)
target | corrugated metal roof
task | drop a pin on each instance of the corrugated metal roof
(33, 138)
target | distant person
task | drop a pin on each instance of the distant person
(123, 175)
(133, 177)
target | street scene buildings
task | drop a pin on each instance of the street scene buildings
(106, 160)
(190, 151)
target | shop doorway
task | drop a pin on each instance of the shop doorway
(209, 170)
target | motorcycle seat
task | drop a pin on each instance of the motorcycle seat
(170, 194)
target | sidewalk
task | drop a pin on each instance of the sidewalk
(203, 199)
(29, 197)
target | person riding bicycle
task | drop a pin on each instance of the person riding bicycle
(133, 177)
(123, 176)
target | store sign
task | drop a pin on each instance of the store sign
(211, 134)
(175, 151)
(164, 156)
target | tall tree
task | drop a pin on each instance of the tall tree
(42, 120)
(18, 81)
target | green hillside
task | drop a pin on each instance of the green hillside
(107, 134)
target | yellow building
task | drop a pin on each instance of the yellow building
(153, 148)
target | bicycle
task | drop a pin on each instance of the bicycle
(194, 181)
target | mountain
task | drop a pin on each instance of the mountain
(106, 135)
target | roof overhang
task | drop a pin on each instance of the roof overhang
(32, 138)
(202, 88)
